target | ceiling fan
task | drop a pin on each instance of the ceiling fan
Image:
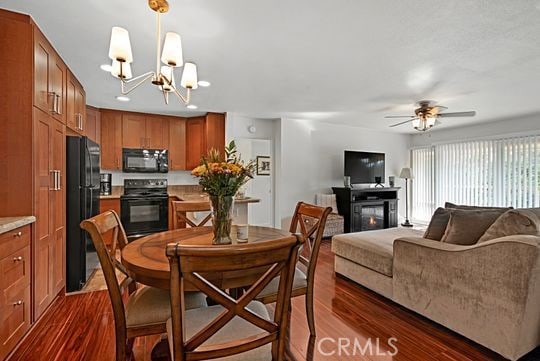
(427, 114)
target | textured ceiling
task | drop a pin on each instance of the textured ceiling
(344, 61)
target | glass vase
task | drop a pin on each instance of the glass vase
(222, 218)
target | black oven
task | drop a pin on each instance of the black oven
(145, 160)
(144, 207)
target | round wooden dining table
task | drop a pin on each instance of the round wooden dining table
(147, 263)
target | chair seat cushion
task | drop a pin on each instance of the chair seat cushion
(236, 329)
(300, 281)
(371, 249)
(150, 306)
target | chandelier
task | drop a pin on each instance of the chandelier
(170, 56)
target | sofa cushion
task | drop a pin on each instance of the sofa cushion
(371, 249)
(464, 207)
(438, 223)
(512, 222)
(465, 227)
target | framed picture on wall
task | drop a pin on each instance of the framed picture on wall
(263, 165)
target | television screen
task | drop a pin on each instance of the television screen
(363, 167)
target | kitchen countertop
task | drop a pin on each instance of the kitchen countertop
(10, 223)
(192, 196)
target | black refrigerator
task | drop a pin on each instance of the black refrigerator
(82, 197)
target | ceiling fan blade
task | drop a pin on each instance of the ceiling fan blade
(395, 125)
(399, 116)
(457, 114)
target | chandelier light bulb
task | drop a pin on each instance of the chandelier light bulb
(167, 72)
(126, 70)
(189, 76)
(120, 46)
(172, 50)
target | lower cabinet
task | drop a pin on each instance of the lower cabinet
(109, 204)
(14, 287)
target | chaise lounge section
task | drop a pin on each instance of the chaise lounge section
(488, 291)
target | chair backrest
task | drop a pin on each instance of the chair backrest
(310, 220)
(198, 266)
(98, 226)
(181, 208)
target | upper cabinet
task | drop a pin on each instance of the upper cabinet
(145, 131)
(202, 134)
(111, 139)
(93, 124)
(177, 143)
(133, 130)
(186, 139)
(76, 105)
(50, 76)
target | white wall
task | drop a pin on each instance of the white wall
(312, 159)
(236, 127)
(522, 125)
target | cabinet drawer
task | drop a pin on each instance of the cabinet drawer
(14, 319)
(14, 240)
(15, 270)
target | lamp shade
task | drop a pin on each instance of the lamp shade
(172, 50)
(416, 123)
(406, 173)
(189, 76)
(126, 70)
(430, 122)
(120, 46)
(167, 72)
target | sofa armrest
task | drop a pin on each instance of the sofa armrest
(488, 291)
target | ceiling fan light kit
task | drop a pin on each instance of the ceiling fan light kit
(171, 55)
(426, 115)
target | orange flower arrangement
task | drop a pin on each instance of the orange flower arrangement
(223, 178)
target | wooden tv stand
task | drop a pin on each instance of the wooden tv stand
(351, 201)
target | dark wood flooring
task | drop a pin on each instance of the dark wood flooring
(80, 328)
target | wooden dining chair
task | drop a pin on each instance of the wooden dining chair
(309, 221)
(235, 329)
(181, 208)
(140, 311)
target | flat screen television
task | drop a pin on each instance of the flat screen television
(363, 167)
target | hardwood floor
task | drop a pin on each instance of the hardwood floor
(80, 328)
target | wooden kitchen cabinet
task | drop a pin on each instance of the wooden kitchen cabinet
(93, 124)
(203, 134)
(15, 303)
(157, 132)
(133, 130)
(75, 105)
(50, 74)
(144, 131)
(177, 143)
(109, 204)
(195, 141)
(111, 139)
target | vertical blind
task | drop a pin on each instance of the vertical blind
(497, 172)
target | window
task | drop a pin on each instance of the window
(497, 172)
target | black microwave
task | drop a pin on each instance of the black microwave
(145, 160)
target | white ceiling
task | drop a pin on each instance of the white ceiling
(344, 61)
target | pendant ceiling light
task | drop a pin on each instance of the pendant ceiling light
(171, 55)
(424, 122)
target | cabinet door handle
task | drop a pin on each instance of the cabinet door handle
(18, 234)
(18, 303)
(53, 102)
(57, 176)
(18, 259)
(53, 187)
(58, 104)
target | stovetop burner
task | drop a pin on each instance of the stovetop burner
(145, 188)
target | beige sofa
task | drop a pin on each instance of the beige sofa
(489, 292)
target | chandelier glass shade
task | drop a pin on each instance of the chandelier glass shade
(170, 55)
(424, 122)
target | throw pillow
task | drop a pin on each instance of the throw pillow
(438, 223)
(465, 227)
(460, 206)
(516, 221)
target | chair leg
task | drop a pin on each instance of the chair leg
(309, 313)
(129, 349)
